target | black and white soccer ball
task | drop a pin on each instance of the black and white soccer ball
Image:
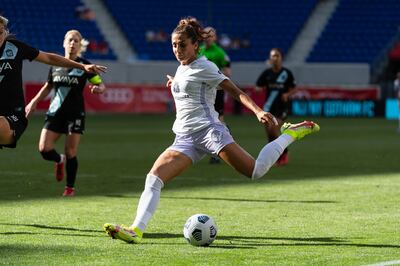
(200, 230)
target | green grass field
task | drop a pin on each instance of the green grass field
(336, 203)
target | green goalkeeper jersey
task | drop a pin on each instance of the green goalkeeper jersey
(215, 54)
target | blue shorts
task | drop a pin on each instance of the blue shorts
(210, 140)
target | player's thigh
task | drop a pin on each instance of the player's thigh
(169, 164)
(47, 139)
(238, 158)
(6, 133)
(71, 144)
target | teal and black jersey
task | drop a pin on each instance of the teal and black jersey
(12, 53)
(276, 83)
(68, 84)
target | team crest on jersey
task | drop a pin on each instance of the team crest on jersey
(76, 72)
(9, 53)
(282, 77)
(176, 88)
(216, 136)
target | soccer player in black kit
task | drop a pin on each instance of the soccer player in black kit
(66, 114)
(12, 53)
(280, 84)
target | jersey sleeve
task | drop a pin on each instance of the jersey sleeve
(261, 81)
(26, 51)
(291, 80)
(213, 75)
(50, 76)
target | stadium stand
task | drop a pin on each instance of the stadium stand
(43, 23)
(253, 26)
(358, 31)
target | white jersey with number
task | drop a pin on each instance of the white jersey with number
(194, 89)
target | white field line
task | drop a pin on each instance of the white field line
(385, 263)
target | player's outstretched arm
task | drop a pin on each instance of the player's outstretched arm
(238, 94)
(57, 60)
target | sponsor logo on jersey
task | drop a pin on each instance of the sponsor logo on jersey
(182, 96)
(66, 79)
(5, 66)
(276, 86)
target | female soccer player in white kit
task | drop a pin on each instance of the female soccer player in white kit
(199, 131)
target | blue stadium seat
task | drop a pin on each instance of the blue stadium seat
(43, 24)
(265, 24)
(358, 31)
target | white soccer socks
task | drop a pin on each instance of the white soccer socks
(148, 201)
(269, 154)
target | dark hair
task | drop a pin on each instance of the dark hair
(277, 50)
(192, 28)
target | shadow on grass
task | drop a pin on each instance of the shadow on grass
(58, 228)
(53, 227)
(252, 242)
(240, 242)
(233, 199)
(300, 241)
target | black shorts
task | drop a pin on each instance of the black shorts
(18, 124)
(219, 102)
(281, 111)
(65, 125)
(282, 114)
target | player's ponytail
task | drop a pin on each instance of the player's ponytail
(192, 28)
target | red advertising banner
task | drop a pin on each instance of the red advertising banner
(124, 98)
(31, 89)
(130, 99)
(338, 93)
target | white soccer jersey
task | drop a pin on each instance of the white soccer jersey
(194, 89)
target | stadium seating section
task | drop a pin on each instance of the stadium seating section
(43, 24)
(358, 31)
(258, 25)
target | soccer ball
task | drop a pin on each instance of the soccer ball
(200, 230)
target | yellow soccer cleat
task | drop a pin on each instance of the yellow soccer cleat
(298, 131)
(124, 233)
